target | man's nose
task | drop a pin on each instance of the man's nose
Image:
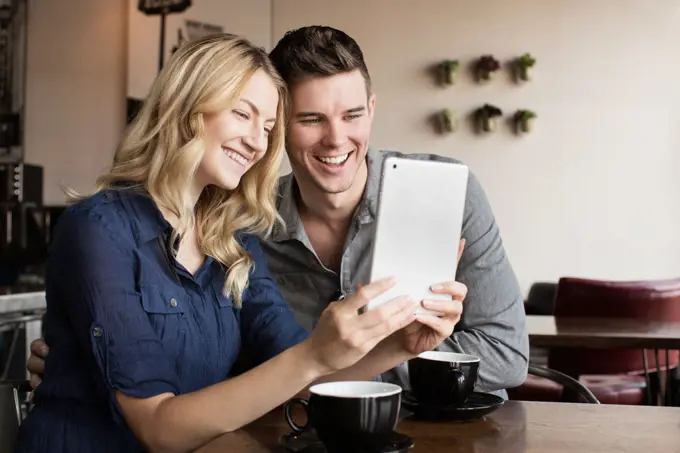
(336, 135)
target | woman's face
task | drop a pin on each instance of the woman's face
(236, 139)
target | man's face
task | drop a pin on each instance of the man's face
(329, 130)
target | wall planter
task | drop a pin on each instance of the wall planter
(447, 121)
(486, 67)
(524, 120)
(486, 118)
(448, 71)
(523, 66)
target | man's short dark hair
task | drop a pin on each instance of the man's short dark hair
(317, 51)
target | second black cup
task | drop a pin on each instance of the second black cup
(350, 416)
(443, 378)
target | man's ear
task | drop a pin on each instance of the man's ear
(371, 105)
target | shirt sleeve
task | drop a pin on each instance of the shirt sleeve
(268, 325)
(492, 325)
(94, 264)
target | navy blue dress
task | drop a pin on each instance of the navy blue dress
(123, 315)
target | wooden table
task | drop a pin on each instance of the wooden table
(517, 427)
(547, 331)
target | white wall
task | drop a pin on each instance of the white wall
(251, 19)
(594, 190)
(77, 77)
(75, 101)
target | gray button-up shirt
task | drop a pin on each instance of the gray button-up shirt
(493, 322)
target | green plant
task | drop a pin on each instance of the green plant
(447, 120)
(524, 115)
(486, 117)
(523, 120)
(448, 69)
(526, 60)
(523, 64)
(490, 111)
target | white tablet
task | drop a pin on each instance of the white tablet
(420, 217)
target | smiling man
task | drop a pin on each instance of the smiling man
(329, 206)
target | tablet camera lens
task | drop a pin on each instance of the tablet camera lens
(394, 166)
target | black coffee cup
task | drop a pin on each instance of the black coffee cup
(350, 416)
(443, 379)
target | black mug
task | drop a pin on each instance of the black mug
(443, 379)
(350, 416)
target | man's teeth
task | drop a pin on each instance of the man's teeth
(334, 160)
(236, 156)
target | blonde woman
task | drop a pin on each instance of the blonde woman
(157, 282)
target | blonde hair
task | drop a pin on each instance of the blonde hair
(163, 147)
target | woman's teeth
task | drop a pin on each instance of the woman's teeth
(236, 156)
(333, 160)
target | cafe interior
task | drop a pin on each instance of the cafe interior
(565, 110)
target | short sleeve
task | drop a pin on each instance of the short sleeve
(93, 265)
(268, 325)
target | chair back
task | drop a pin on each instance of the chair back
(645, 300)
(567, 382)
(541, 299)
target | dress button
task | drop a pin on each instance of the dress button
(173, 302)
(97, 331)
(280, 282)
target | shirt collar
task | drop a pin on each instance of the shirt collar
(147, 220)
(368, 207)
(292, 228)
(287, 207)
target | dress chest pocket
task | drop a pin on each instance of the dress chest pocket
(166, 308)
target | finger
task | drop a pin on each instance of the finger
(456, 290)
(35, 365)
(365, 294)
(387, 311)
(35, 381)
(40, 348)
(392, 323)
(461, 247)
(442, 326)
(449, 308)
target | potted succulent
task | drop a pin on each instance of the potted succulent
(523, 66)
(448, 70)
(447, 120)
(486, 117)
(524, 120)
(486, 66)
